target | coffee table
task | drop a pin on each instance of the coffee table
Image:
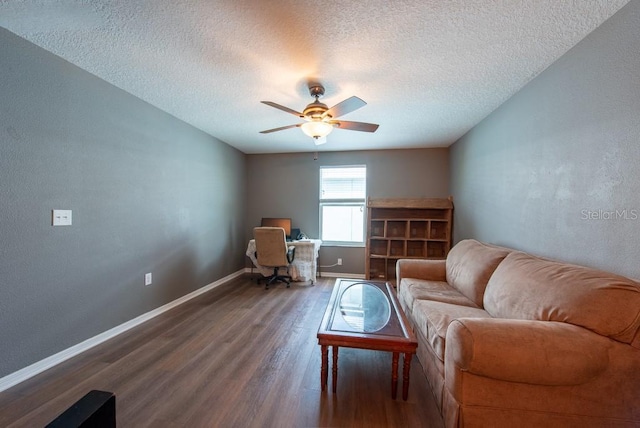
(366, 314)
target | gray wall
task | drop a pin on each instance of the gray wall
(547, 171)
(148, 193)
(287, 185)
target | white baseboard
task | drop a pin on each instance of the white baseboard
(42, 365)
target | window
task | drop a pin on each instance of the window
(342, 203)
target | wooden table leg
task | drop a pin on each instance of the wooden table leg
(334, 377)
(405, 375)
(323, 369)
(394, 375)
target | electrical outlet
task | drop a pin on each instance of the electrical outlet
(339, 262)
(61, 217)
(147, 279)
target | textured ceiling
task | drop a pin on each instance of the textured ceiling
(429, 69)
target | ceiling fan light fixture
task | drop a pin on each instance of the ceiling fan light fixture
(317, 129)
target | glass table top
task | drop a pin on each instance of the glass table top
(364, 307)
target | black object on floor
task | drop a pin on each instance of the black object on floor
(97, 409)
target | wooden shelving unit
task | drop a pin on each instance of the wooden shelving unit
(405, 229)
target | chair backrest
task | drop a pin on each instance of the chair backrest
(271, 246)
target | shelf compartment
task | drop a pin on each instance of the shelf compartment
(377, 228)
(379, 213)
(416, 249)
(435, 214)
(377, 268)
(391, 269)
(396, 229)
(418, 229)
(378, 247)
(436, 250)
(397, 248)
(439, 230)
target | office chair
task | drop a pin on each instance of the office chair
(272, 251)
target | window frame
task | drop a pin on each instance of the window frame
(355, 202)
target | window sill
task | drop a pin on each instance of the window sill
(343, 244)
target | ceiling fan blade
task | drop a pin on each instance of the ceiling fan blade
(355, 126)
(283, 108)
(344, 107)
(282, 128)
(319, 141)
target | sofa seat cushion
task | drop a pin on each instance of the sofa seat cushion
(469, 266)
(433, 319)
(412, 289)
(528, 287)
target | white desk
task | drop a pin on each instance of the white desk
(304, 264)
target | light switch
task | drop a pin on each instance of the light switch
(61, 218)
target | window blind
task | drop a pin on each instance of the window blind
(343, 183)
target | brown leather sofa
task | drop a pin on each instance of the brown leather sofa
(507, 339)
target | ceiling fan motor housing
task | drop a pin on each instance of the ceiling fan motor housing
(315, 110)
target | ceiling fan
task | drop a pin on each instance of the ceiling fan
(320, 119)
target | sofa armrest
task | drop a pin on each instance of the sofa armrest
(432, 270)
(534, 352)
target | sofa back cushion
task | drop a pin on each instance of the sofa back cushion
(470, 265)
(528, 287)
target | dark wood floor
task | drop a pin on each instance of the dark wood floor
(237, 356)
